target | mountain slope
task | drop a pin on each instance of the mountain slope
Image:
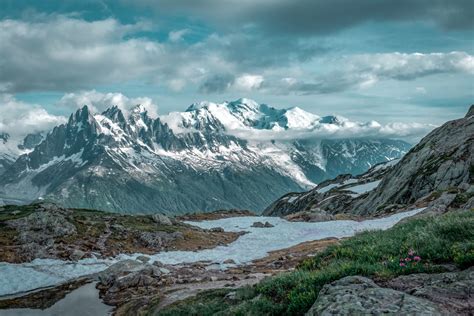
(185, 161)
(442, 161)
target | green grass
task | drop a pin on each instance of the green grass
(446, 239)
(10, 212)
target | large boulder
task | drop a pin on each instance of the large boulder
(453, 291)
(355, 295)
(161, 219)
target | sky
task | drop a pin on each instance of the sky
(407, 61)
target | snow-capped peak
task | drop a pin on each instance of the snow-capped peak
(333, 119)
(138, 109)
(297, 118)
(243, 104)
(199, 106)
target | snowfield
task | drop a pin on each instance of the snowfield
(253, 245)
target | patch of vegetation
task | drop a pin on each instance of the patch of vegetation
(378, 254)
(462, 198)
(9, 212)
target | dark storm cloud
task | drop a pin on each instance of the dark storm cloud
(310, 17)
(217, 83)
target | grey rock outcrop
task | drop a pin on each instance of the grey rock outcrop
(161, 219)
(328, 198)
(41, 226)
(452, 291)
(355, 295)
(442, 160)
(158, 239)
(314, 215)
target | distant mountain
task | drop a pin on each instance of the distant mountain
(440, 170)
(6, 157)
(10, 150)
(201, 159)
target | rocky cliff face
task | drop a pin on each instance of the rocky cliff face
(329, 197)
(442, 161)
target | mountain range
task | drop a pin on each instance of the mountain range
(237, 154)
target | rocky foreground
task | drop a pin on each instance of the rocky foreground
(46, 230)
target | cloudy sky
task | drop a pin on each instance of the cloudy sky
(391, 61)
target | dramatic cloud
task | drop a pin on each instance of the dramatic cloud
(20, 118)
(308, 17)
(222, 83)
(64, 53)
(281, 51)
(362, 71)
(99, 102)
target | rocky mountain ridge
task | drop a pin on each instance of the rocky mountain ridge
(187, 161)
(440, 167)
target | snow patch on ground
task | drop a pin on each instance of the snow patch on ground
(366, 187)
(251, 246)
(328, 187)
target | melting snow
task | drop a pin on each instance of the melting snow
(328, 187)
(366, 187)
(253, 245)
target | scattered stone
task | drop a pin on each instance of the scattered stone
(164, 270)
(356, 295)
(231, 296)
(314, 215)
(158, 239)
(161, 219)
(143, 259)
(217, 229)
(77, 255)
(262, 225)
(229, 261)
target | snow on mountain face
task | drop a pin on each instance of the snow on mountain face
(241, 114)
(185, 161)
(11, 149)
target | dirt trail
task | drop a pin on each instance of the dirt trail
(180, 292)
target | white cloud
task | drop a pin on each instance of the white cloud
(408, 131)
(20, 118)
(248, 82)
(64, 53)
(403, 66)
(176, 84)
(366, 70)
(176, 36)
(99, 102)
